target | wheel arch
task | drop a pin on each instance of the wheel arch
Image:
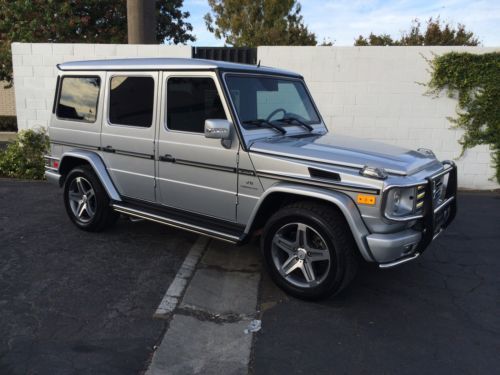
(72, 159)
(284, 193)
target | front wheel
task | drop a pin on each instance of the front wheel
(86, 201)
(309, 250)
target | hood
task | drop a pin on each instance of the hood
(346, 151)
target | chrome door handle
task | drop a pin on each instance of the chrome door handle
(168, 158)
(108, 149)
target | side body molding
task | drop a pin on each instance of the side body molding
(97, 164)
(342, 201)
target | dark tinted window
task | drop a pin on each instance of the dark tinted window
(131, 101)
(190, 101)
(78, 99)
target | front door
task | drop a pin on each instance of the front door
(195, 173)
(128, 132)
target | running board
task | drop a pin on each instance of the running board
(166, 219)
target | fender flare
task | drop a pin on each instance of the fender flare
(99, 168)
(342, 201)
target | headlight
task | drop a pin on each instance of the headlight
(400, 202)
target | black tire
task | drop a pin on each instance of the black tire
(103, 215)
(324, 224)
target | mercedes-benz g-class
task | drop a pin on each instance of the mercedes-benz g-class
(233, 151)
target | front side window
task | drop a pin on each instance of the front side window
(190, 101)
(131, 101)
(78, 99)
(270, 99)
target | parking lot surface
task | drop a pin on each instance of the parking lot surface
(73, 302)
(76, 302)
(437, 315)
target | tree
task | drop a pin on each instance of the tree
(251, 23)
(437, 33)
(87, 21)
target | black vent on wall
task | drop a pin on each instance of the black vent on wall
(242, 55)
(325, 175)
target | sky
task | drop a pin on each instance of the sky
(342, 21)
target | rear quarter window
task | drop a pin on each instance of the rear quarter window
(78, 98)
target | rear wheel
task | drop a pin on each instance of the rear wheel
(309, 250)
(86, 201)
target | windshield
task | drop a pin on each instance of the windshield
(270, 99)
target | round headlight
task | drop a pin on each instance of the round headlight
(400, 202)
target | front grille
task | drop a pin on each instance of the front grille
(438, 193)
(438, 189)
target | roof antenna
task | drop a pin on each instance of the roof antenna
(258, 64)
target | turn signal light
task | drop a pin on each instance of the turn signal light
(366, 199)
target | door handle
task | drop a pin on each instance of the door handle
(168, 158)
(108, 149)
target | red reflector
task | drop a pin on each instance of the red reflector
(56, 164)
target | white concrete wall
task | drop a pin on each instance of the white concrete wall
(35, 71)
(372, 92)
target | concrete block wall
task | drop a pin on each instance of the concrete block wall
(374, 93)
(370, 92)
(35, 71)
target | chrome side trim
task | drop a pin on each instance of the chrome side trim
(175, 223)
(399, 261)
(341, 200)
(99, 167)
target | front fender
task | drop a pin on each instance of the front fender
(342, 201)
(97, 165)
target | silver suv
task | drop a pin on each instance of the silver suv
(234, 151)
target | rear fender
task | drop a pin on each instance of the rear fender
(97, 165)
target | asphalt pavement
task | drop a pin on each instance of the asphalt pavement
(437, 315)
(73, 302)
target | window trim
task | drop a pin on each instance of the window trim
(108, 107)
(59, 92)
(165, 122)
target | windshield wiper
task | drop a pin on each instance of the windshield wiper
(264, 123)
(295, 121)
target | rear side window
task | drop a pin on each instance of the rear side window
(131, 101)
(78, 98)
(190, 101)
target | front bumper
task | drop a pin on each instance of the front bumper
(393, 249)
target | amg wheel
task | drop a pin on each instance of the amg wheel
(309, 250)
(86, 201)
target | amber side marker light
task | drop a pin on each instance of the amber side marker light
(366, 199)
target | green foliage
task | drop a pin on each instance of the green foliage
(252, 23)
(8, 123)
(23, 158)
(475, 80)
(80, 21)
(437, 33)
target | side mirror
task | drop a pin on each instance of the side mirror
(219, 129)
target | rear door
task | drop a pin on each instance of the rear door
(195, 173)
(128, 132)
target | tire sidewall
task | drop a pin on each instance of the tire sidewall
(100, 196)
(335, 276)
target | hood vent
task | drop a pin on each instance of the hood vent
(324, 175)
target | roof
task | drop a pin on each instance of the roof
(164, 63)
